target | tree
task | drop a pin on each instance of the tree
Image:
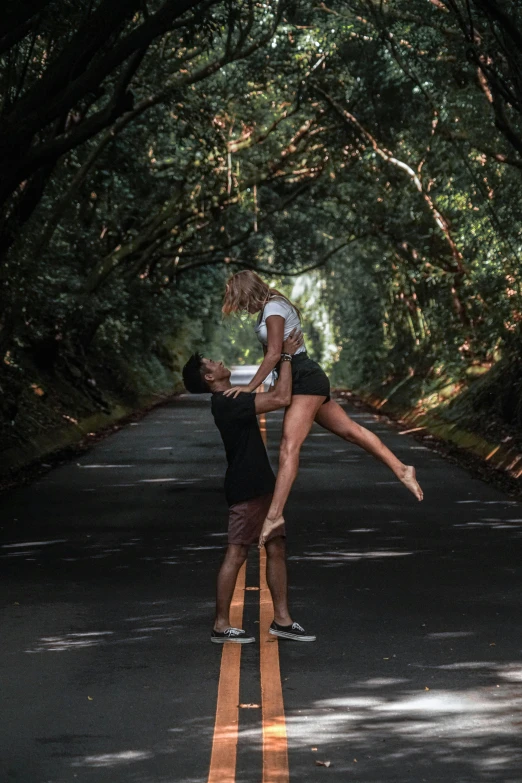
(372, 142)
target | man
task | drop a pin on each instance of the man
(249, 485)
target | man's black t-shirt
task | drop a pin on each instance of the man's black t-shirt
(249, 474)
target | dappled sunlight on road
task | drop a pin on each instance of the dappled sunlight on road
(146, 625)
(416, 674)
(104, 466)
(380, 728)
(498, 524)
(489, 502)
(121, 552)
(113, 759)
(449, 635)
(34, 543)
(468, 733)
(70, 642)
(350, 556)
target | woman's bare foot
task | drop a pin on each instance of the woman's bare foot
(409, 480)
(268, 526)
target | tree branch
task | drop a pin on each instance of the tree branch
(440, 220)
(270, 270)
(17, 23)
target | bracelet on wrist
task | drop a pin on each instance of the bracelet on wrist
(286, 357)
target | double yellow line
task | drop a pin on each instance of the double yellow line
(275, 746)
(226, 729)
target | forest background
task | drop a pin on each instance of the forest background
(365, 155)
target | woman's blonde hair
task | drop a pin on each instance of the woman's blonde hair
(246, 288)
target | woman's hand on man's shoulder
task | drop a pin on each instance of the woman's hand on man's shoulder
(235, 390)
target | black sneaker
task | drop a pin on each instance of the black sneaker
(294, 631)
(236, 635)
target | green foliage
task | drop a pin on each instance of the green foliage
(234, 342)
(371, 150)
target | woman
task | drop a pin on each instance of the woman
(311, 401)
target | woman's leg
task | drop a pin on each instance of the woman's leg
(333, 418)
(277, 579)
(299, 417)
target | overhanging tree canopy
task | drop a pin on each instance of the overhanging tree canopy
(378, 142)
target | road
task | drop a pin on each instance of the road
(107, 597)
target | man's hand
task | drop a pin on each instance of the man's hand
(293, 342)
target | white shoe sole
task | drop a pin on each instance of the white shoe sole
(249, 640)
(285, 635)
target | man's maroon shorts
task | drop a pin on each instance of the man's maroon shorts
(246, 519)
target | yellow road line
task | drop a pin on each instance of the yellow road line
(275, 746)
(224, 743)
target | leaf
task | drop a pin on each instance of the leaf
(322, 763)
(90, 698)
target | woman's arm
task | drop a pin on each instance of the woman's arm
(275, 326)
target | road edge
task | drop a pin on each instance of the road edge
(497, 463)
(58, 447)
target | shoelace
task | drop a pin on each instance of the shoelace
(297, 627)
(233, 632)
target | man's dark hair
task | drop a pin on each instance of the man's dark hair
(193, 373)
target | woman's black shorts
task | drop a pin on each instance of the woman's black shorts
(308, 377)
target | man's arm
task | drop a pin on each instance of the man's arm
(281, 395)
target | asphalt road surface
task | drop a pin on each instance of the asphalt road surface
(108, 674)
